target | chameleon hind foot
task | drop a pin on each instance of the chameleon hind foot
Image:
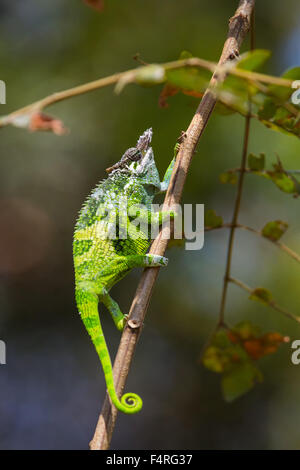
(112, 306)
(122, 322)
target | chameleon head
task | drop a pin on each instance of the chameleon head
(145, 168)
(139, 161)
(144, 141)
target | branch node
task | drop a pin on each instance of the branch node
(134, 324)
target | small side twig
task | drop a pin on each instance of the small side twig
(277, 243)
(238, 28)
(262, 172)
(270, 303)
(131, 76)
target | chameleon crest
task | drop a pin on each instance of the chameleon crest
(102, 256)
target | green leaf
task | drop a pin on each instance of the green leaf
(277, 117)
(223, 110)
(234, 94)
(212, 220)
(221, 355)
(240, 380)
(292, 73)
(246, 330)
(232, 353)
(235, 91)
(281, 92)
(289, 127)
(214, 360)
(228, 177)
(220, 339)
(283, 182)
(189, 78)
(274, 230)
(256, 163)
(215, 357)
(253, 60)
(268, 109)
(261, 295)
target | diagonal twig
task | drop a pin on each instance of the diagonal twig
(238, 28)
(132, 76)
(233, 224)
(277, 243)
(270, 303)
(135, 76)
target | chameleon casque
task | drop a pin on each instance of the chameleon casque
(101, 260)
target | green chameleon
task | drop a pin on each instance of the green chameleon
(103, 255)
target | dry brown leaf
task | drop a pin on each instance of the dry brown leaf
(43, 122)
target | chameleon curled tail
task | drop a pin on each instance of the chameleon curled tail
(88, 307)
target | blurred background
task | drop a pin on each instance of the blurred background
(52, 386)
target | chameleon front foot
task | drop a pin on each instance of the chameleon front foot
(122, 322)
(155, 261)
(118, 317)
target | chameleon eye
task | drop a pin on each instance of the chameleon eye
(135, 155)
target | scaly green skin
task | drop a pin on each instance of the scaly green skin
(100, 261)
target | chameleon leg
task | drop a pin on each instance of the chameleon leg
(127, 263)
(167, 176)
(87, 303)
(146, 216)
(165, 182)
(147, 261)
(118, 317)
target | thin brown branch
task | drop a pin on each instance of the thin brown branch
(234, 221)
(131, 76)
(238, 198)
(261, 172)
(277, 243)
(287, 250)
(238, 28)
(270, 303)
